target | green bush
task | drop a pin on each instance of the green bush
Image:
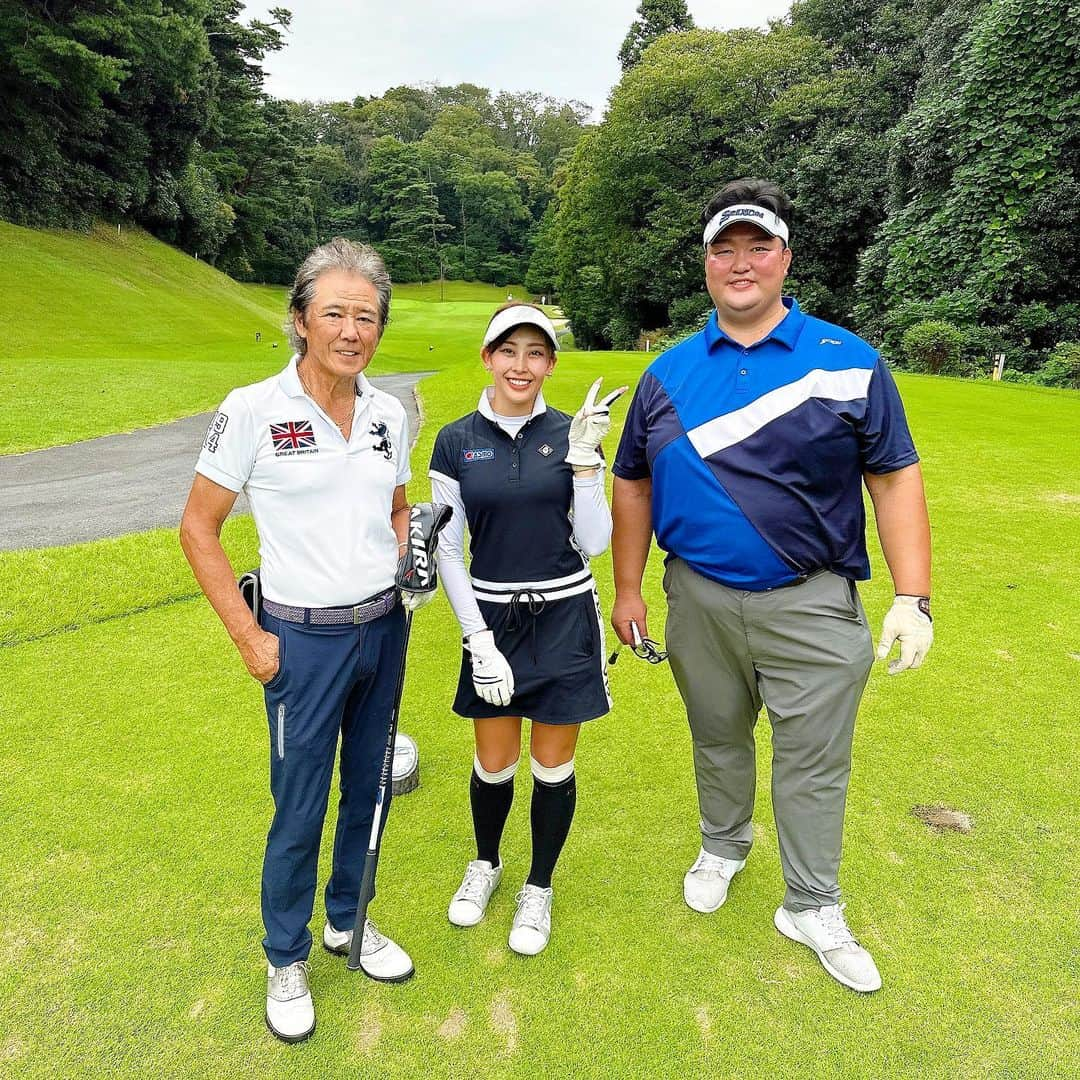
(689, 314)
(933, 346)
(1063, 367)
(621, 332)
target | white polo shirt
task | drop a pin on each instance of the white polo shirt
(321, 504)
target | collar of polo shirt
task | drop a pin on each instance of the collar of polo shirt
(485, 409)
(289, 380)
(764, 219)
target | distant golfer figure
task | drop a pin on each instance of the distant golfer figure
(323, 457)
(744, 450)
(527, 481)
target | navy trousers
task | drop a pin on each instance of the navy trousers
(332, 679)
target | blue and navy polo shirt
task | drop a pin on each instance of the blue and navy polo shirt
(517, 491)
(757, 453)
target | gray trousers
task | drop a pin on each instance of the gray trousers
(805, 651)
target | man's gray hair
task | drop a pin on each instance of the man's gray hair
(336, 254)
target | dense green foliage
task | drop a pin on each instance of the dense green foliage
(99, 104)
(675, 130)
(933, 347)
(153, 111)
(932, 152)
(655, 18)
(985, 187)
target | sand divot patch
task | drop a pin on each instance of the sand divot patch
(12, 1050)
(453, 1026)
(370, 1030)
(942, 818)
(704, 1022)
(505, 1022)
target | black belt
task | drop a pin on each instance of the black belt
(802, 579)
(364, 612)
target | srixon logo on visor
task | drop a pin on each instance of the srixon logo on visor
(742, 212)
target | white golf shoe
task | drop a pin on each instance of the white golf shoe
(826, 932)
(380, 958)
(531, 928)
(471, 900)
(705, 885)
(290, 1012)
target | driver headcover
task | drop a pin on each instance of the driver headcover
(417, 570)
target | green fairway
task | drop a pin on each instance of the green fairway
(135, 806)
(110, 332)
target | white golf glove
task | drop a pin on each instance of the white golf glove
(590, 424)
(414, 601)
(912, 627)
(492, 677)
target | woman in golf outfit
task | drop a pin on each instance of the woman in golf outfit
(323, 457)
(527, 481)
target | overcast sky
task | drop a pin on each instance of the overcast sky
(563, 48)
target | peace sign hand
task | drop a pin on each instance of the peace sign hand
(590, 424)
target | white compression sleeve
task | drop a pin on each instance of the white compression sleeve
(455, 577)
(592, 515)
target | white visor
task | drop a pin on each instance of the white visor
(764, 219)
(518, 315)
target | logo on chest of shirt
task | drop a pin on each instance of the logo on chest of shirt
(546, 450)
(214, 431)
(483, 453)
(293, 437)
(382, 433)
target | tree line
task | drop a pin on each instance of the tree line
(154, 112)
(932, 148)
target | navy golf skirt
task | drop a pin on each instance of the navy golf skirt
(556, 651)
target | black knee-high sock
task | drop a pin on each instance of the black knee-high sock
(490, 806)
(551, 812)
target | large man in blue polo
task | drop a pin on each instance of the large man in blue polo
(745, 450)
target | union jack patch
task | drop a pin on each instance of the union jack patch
(292, 435)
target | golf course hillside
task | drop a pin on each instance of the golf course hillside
(109, 332)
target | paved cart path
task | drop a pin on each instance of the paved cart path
(119, 483)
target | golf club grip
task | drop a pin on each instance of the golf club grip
(371, 857)
(367, 889)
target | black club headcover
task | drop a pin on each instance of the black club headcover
(417, 568)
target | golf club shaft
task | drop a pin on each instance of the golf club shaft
(382, 798)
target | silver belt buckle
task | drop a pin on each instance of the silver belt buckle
(356, 614)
